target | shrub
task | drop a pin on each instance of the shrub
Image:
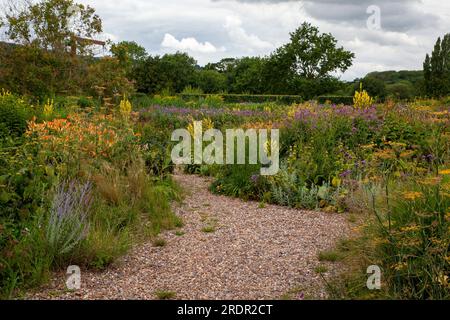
(345, 100)
(67, 224)
(85, 103)
(14, 113)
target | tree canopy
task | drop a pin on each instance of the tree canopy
(437, 69)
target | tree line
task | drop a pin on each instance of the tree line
(304, 66)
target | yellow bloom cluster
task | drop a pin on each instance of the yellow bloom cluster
(125, 107)
(48, 108)
(362, 99)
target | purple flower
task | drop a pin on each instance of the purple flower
(345, 174)
(254, 178)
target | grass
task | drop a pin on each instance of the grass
(209, 229)
(164, 295)
(179, 233)
(330, 256)
(293, 294)
(321, 269)
(159, 242)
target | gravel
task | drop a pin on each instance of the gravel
(230, 249)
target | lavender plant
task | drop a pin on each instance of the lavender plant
(67, 225)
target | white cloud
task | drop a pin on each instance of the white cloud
(240, 37)
(187, 44)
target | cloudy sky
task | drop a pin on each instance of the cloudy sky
(212, 29)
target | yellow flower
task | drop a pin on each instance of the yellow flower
(443, 280)
(412, 195)
(48, 108)
(445, 172)
(431, 181)
(411, 228)
(386, 154)
(208, 124)
(400, 266)
(125, 107)
(447, 215)
(362, 100)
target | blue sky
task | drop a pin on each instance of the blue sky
(212, 29)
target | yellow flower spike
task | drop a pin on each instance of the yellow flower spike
(125, 107)
(362, 99)
(48, 108)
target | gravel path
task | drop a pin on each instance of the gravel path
(230, 249)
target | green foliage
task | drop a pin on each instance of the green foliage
(313, 55)
(14, 113)
(44, 227)
(239, 181)
(346, 100)
(47, 24)
(210, 81)
(247, 98)
(129, 53)
(171, 71)
(401, 91)
(437, 68)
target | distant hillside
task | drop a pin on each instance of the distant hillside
(393, 77)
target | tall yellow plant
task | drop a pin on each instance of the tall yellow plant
(48, 108)
(125, 107)
(362, 100)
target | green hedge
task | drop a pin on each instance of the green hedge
(249, 98)
(347, 100)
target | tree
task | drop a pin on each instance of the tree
(171, 71)
(51, 24)
(222, 66)
(313, 55)
(247, 76)
(437, 68)
(211, 81)
(427, 74)
(402, 90)
(309, 56)
(129, 53)
(38, 62)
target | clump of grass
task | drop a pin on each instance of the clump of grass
(209, 229)
(321, 269)
(295, 293)
(179, 233)
(331, 256)
(156, 204)
(165, 295)
(159, 242)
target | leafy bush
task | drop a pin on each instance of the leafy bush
(84, 103)
(14, 113)
(345, 100)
